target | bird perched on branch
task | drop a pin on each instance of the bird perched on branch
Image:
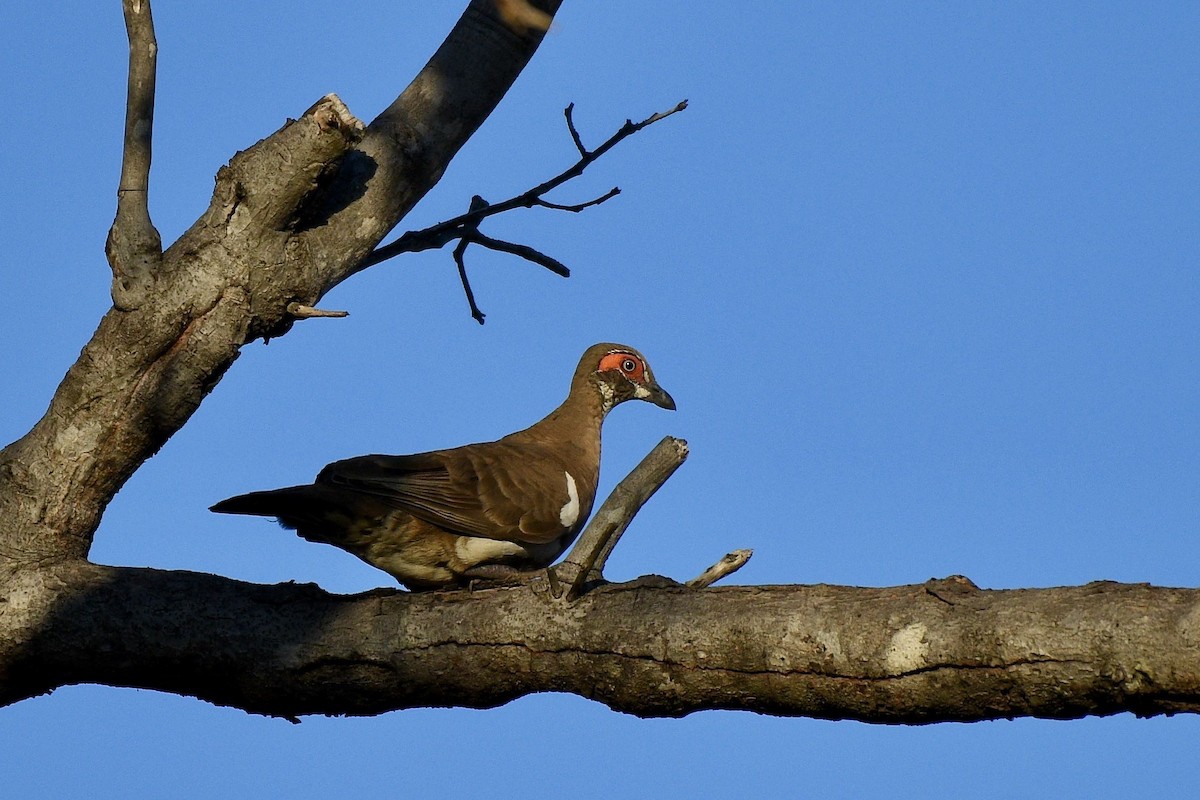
(481, 511)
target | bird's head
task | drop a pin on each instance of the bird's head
(620, 373)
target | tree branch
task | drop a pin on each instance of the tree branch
(933, 652)
(146, 370)
(585, 563)
(441, 234)
(459, 251)
(468, 236)
(290, 217)
(577, 207)
(524, 251)
(729, 564)
(407, 147)
(134, 248)
(301, 311)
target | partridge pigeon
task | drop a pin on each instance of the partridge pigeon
(481, 511)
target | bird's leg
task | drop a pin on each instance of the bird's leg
(487, 576)
(490, 576)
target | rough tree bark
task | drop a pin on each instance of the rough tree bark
(290, 218)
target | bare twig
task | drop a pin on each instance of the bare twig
(465, 227)
(587, 558)
(729, 564)
(459, 249)
(569, 113)
(301, 311)
(134, 248)
(524, 251)
(577, 207)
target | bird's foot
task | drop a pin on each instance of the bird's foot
(494, 576)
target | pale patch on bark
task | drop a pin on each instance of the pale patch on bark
(77, 439)
(908, 649)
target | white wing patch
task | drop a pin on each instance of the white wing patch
(570, 512)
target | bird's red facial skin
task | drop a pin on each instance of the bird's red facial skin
(627, 364)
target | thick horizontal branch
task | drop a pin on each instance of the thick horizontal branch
(939, 651)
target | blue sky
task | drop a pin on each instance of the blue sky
(921, 277)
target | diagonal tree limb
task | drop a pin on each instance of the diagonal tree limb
(585, 562)
(407, 147)
(522, 15)
(134, 248)
(290, 218)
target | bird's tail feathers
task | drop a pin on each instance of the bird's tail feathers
(292, 506)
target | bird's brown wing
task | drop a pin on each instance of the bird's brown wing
(492, 490)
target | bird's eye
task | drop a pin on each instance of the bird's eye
(629, 365)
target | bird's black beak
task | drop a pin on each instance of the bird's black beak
(659, 397)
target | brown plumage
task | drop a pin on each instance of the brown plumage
(483, 510)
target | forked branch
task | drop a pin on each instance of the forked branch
(465, 228)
